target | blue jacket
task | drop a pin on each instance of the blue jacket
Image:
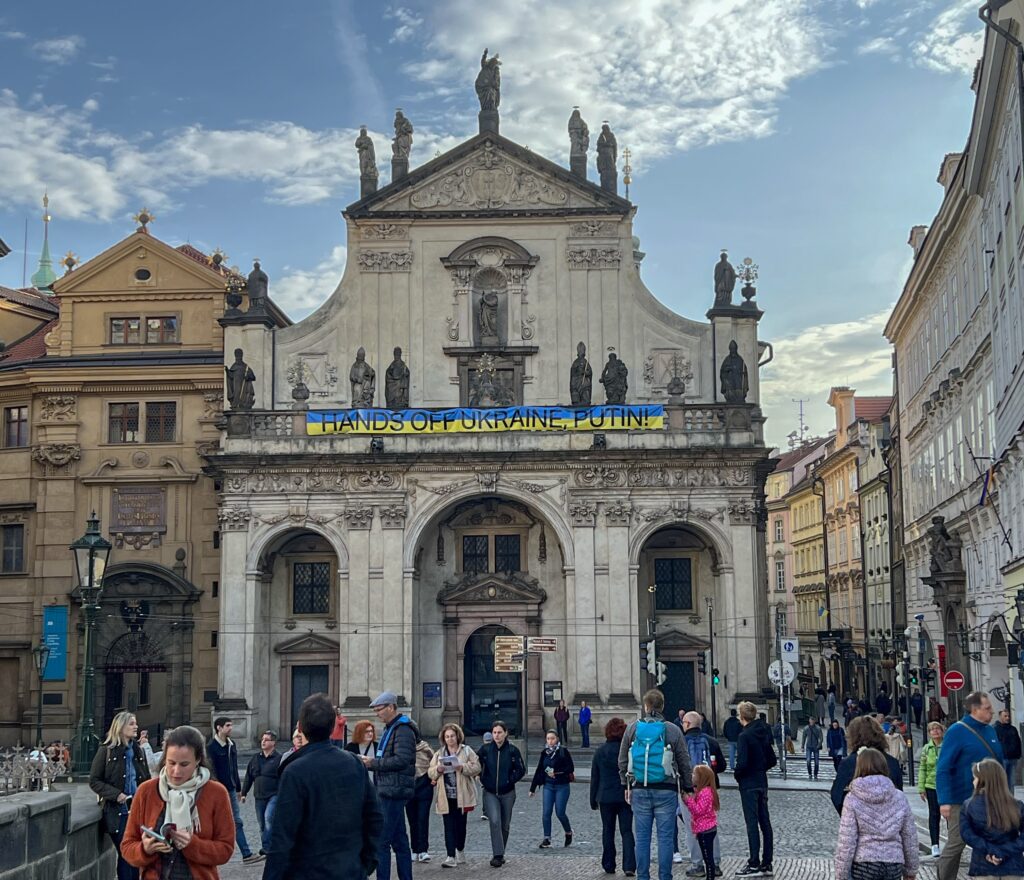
(328, 821)
(585, 715)
(960, 749)
(984, 841)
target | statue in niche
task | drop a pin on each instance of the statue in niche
(488, 82)
(581, 378)
(725, 282)
(579, 135)
(733, 375)
(489, 389)
(488, 317)
(607, 154)
(614, 378)
(363, 380)
(402, 143)
(257, 284)
(367, 155)
(943, 548)
(240, 378)
(396, 383)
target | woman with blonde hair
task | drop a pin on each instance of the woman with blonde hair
(181, 823)
(118, 769)
(452, 769)
(992, 824)
(860, 732)
(926, 780)
(877, 833)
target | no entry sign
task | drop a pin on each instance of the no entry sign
(953, 680)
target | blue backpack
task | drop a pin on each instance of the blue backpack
(650, 758)
(700, 751)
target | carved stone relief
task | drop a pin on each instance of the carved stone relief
(58, 408)
(213, 404)
(315, 371)
(592, 229)
(618, 513)
(383, 231)
(56, 457)
(359, 517)
(593, 257)
(583, 513)
(378, 479)
(234, 519)
(743, 513)
(385, 261)
(393, 516)
(602, 477)
(298, 517)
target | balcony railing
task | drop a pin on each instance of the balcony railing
(24, 770)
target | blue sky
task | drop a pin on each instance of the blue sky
(806, 134)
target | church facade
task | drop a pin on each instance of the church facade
(492, 428)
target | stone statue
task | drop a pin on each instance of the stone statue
(488, 389)
(579, 135)
(733, 374)
(257, 285)
(239, 385)
(613, 377)
(944, 548)
(363, 380)
(402, 143)
(488, 82)
(396, 383)
(488, 320)
(367, 156)
(725, 282)
(581, 378)
(607, 154)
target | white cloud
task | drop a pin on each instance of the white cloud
(864, 4)
(407, 23)
(953, 42)
(91, 105)
(59, 50)
(810, 361)
(12, 35)
(879, 46)
(303, 290)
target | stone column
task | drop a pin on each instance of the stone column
(582, 613)
(621, 619)
(397, 601)
(359, 618)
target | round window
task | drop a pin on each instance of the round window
(143, 274)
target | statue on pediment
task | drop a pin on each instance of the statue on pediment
(733, 375)
(257, 285)
(614, 377)
(488, 317)
(725, 282)
(363, 380)
(239, 386)
(579, 135)
(402, 143)
(396, 383)
(943, 548)
(607, 155)
(488, 82)
(581, 378)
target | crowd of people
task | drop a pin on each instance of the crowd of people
(176, 813)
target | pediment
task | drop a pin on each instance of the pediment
(308, 644)
(511, 587)
(485, 175)
(674, 638)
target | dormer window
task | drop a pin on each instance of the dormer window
(144, 330)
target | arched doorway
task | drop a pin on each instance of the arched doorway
(135, 678)
(489, 695)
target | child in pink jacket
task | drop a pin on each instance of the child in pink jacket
(703, 805)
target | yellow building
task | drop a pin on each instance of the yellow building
(111, 389)
(808, 576)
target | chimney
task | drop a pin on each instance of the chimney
(841, 400)
(947, 171)
(917, 236)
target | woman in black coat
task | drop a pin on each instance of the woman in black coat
(608, 794)
(555, 770)
(118, 769)
(862, 732)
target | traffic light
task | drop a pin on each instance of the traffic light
(644, 648)
(702, 662)
(716, 679)
(915, 677)
(661, 673)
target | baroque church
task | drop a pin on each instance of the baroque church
(491, 430)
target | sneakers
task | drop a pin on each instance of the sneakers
(766, 870)
(568, 839)
(677, 858)
(449, 862)
(460, 857)
(421, 857)
(696, 871)
(749, 871)
(253, 859)
(718, 870)
(935, 851)
(545, 843)
(497, 862)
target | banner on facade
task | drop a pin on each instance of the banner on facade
(55, 637)
(468, 420)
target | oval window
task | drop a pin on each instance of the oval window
(143, 274)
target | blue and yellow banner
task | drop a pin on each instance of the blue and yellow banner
(468, 420)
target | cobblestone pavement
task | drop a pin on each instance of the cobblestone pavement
(805, 825)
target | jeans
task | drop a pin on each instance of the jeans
(556, 796)
(1010, 767)
(417, 811)
(693, 844)
(831, 712)
(264, 818)
(124, 870)
(562, 727)
(621, 814)
(812, 757)
(755, 815)
(499, 817)
(585, 734)
(836, 761)
(949, 862)
(708, 842)
(454, 828)
(732, 755)
(393, 836)
(650, 806)
(236, 811)
(933, 815)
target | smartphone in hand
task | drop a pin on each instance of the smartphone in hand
(156, 835)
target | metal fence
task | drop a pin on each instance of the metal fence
(24, 769)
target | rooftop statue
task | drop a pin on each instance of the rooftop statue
(579, 135)
(607, 154)
(488, 82)
(402, 143)
(733, 375)
(363, 380)
(581, 378)
(725, 282)
(614, 378)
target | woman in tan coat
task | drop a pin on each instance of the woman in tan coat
(452, 770)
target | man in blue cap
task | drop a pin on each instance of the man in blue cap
(394, 774)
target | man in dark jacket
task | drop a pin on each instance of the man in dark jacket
(754, 758)
(262, 774)
(731, 729)
(394, 774)
(501, 767)
(703, 749)
(328, 820)
(224, 757)
(1009, 739)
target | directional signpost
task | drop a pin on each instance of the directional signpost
(508, 654)
(541, 644)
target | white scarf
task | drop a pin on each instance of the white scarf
(181, 799)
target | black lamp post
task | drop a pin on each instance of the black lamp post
(40, 656)
(91, 552)
(1018, 633)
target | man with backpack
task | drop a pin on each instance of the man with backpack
(702, 749)
(754, 758)
(654, 765)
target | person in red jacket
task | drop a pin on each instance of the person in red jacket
(187, 808)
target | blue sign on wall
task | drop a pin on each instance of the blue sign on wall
(55, 636)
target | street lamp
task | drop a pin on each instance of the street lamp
(91, 552)
(40, 656)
